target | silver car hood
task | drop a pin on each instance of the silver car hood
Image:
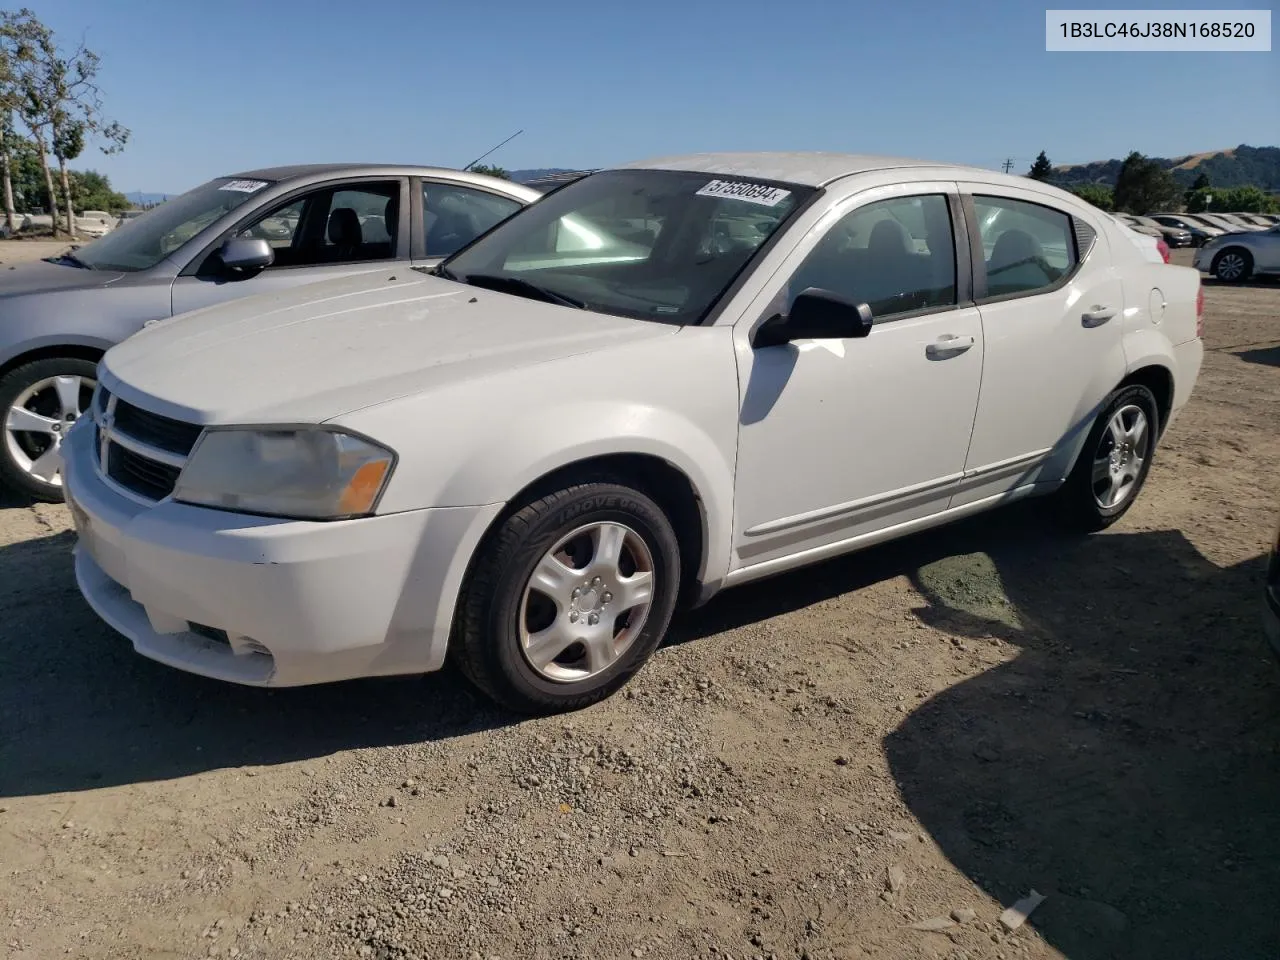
(40, 276)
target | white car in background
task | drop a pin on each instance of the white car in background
(657, 382)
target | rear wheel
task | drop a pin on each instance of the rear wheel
(39, 402)
(568, 598)
(1233, 265)
(1115, 460)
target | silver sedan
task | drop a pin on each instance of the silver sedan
(255, 232)
(1235, 257)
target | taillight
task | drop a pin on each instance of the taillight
(1163, 248)
(1200, 311)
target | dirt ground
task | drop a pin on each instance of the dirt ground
(811, 766)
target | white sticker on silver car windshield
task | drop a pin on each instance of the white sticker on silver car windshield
(750, 192)
(243, 186)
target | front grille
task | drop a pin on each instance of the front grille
(140, 451)
(166, 433)
(142, 475)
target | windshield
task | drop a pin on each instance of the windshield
(143, 241)
(649, 244)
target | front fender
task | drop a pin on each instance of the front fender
(519, 456)
(482, 441)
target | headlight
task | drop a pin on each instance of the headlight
(305, 473)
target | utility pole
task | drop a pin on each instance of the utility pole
(1008, 165)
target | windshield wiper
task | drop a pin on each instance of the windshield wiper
(518, 285)
(70, 259)
(440, 270)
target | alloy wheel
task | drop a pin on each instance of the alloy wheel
(1121, 452)
(39, 419)
(586, 601)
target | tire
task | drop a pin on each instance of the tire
(1232, 265)
(1085, 500)
(501, 613)
(38, 388)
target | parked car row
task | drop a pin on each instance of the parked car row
(89, 223)
(657, 381)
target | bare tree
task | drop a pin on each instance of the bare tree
(61, 106)
(17, 33)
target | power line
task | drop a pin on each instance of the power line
(1008, 165)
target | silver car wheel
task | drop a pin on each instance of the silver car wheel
(1230, 266)
(1121, 452)
(39, 419)
(586, 602)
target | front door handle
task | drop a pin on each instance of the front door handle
(946, 347)
(1098, 315)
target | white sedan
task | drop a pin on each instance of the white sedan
(660, 381)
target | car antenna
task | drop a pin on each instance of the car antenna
(483, 155)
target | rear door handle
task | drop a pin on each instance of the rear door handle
(946, 347)
(1097, 316)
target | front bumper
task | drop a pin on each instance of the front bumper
(268, 602)
(1203, 259)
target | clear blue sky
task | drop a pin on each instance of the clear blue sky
(210, 88)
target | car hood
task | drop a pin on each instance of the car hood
(314, 353)
(40, 277)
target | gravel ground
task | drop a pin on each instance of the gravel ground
(819, 766)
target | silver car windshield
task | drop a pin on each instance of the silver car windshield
(649, 244)
(144, 241)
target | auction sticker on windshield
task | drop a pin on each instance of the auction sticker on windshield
(243, 186)
(750, 192)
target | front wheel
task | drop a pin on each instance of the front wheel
(1233, 265)
(39, 401)
(568, 598)
(1114, 463)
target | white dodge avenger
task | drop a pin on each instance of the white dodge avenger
(659, 381)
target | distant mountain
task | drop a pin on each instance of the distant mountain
(1240, 166)
(140, 199)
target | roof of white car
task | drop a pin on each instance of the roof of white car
(815, 169)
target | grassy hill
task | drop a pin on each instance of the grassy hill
(1240, 166)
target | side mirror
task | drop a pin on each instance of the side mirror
(246, 253)
(816, 314)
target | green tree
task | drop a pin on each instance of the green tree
(490, 171)
(92, 191)
(18, 33)
(1097, 194)
(1242, 200)
(1042, 169)
(1143, 185)
(1199, 185)
(1197, 201)
(65, 102)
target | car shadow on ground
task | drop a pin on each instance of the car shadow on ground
(1268, 356)
(1126, 762)
(1265, 282)
(80, 710)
